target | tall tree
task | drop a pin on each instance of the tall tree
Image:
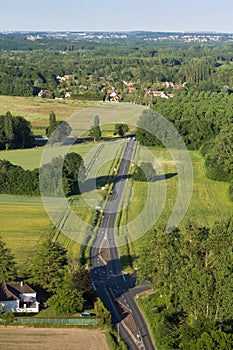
(121, 129)
(9, 130)
(7, 264)
(73, 171)
(52, 124)
(95, 131)
(47, 266)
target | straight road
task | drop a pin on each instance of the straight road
(115, 288)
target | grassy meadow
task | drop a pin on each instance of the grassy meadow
(210, 200)
(23, 223)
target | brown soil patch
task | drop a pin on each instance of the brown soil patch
(23, 338)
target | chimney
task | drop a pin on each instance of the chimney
(21, 283)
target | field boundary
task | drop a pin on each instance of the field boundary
(56, 321)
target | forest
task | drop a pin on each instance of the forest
(191, 271)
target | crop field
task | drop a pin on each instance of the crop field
(37, 110)
(20, 338)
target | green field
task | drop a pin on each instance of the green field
(31, 158)
(23, 222)
(24, 218)
(210, 200)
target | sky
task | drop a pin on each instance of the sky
(118, 15)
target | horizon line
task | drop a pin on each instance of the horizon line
(112, 31)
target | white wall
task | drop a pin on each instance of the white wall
(10, 305)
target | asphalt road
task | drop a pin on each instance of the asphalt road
(117, 290)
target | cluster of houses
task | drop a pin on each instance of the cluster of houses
(111, 94)
(18, 297)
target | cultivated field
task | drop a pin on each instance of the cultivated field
(21, 338)
(37, 110)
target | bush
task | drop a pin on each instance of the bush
(8, 317)
(231, 191)
(145, 172)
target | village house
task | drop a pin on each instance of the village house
(18, 297)
(42, 93)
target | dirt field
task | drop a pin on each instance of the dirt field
(22, 338)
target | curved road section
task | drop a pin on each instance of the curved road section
(117, 290)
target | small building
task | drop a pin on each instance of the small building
(18, 297)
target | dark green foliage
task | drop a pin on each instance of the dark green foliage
(212, 341)
(73, 171)
(198, 116)
(8, 130)
(52, 183)
(191, 272)
(25, 69)
(23, 137)
(79, 279)
(66, 301)
(144, 172)
(47, 266)
(204, 120)
(95, 131)
(56, 178)
(15, 180)
(231, 191)
(15, 132)
(52, 124)
(219, 162)
(150, 132)
(7, 264)
(7, 317)
(121, 129)
(102, 313)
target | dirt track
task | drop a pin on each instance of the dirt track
(22, 338)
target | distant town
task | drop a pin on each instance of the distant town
(127, 35)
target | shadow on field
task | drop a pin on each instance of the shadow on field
(99, 182)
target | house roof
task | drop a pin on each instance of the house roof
(6, 294)
(12, 290)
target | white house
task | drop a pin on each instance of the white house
(18, 297)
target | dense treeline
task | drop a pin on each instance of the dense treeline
(191, 272)
(15, 180)
(56, 178)
(15, 132)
